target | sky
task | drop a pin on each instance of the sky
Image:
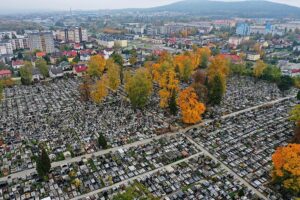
(17, 5)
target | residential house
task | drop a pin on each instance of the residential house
(16, 64)
(79, 69)
(56, 72)
(36, 75)
(5, 73)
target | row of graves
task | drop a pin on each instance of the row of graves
(246, 142)
(54, 116)
(243, 92)
(77, 178)
(199, 177)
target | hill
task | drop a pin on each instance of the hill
(251, 9)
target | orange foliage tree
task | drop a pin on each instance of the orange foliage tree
(286, 161)
(191, 108)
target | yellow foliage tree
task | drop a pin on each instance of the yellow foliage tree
(96, 66)
(259, 68)
(219, 65)
(168, 84)
(286, 161)
(191, 108)
(113, 75)
(183, 66)
(99, 91)
(203, 55)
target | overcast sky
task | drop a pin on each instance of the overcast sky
(11, 5)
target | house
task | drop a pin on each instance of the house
(78, 46)
(253, 56)
(233, 58)
(65, 66)
(5, 73)
(85, 57)
(56, 72)
(40, 54)
(79, 69)
(16, 64)
(36, 75)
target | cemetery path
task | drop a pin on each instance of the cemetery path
(23, 174)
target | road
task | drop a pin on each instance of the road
(25, 173)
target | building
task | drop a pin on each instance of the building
(42, 41)
(289, 69)
(16, 64)
(19, 43)
(253, 56)
(6, 48)
(76, 35)
(243, 29)
(5, 73)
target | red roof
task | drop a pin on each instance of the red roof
(294, 71)
(70, 53)
(40, 54)
(80, 68)
(5, 72)
(231, 57)
(17, 62)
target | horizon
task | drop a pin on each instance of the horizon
(29, 6)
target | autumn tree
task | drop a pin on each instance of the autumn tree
(216, 90)
(191, 109)
(85, 88)
(139, 88)
(99, 90)
(200, 85)
(204, 54)
(26, 73)
(113, 75)
(96, 66)
(183, 67)
(286, 171)
(168, 84)
(133, 57)
(259, 68)
(219, 66)
(41, 64)
(43, 163)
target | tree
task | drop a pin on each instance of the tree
(285, 83)
(133, 57)
(113, 74)
(96, 66)
(271, 73)
(43, 164)
(204, 54)
(41, 64)
(139, 88)
(102, 141)
(168, 84)
(219, 65)
(173, 104)
(118, 59)
(286, 171)
(216, 90)
(99, 91)
(191, 109)
(26, 73)
(259, 68)
(184, 67)
(85, 88)
(298, 95)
